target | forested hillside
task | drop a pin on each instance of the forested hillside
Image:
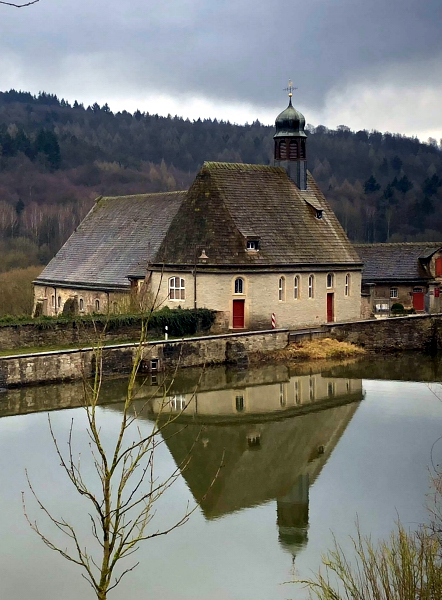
(56, 158)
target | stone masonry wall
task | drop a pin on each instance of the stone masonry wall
(33, 336)
(261, 296)
(414, 332)
(68, 365)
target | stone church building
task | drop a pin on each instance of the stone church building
(246, 240)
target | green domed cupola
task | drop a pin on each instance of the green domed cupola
(290, 123)
(290, 143)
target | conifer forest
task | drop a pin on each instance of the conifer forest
(57, 157)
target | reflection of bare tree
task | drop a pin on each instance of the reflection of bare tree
(123, 495)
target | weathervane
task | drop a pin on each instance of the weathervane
(290, 88)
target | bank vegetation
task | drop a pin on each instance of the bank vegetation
(318, 349)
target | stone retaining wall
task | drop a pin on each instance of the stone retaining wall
(68, 365)
(35, 336)
(413, 332)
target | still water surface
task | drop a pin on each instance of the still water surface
(305, 452)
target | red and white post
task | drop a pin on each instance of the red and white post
(273, 321)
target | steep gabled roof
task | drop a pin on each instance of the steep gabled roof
(396, 262)
(229, 202)
(117, 235)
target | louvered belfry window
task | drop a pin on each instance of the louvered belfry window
(283, 150)
(302, 149)
(293, 150)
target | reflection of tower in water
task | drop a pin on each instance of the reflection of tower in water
(273, 437)
(292, 516)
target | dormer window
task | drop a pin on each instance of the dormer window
(253, 245)
(318, 214)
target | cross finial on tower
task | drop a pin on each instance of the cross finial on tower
(290, 88)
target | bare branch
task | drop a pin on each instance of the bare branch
(19, 5)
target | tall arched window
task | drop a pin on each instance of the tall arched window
(177, 288)
(330, 280)
(283, 150)
(347, 285)
(281, 289)
(311, 286)
(81, 304)
(293, 150)
(239, 285)
(296, 290)
(97, 306)
(59, 301)
(53, 301)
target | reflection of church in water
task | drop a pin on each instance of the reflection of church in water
(274, 432)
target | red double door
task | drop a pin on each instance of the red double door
(238, 314)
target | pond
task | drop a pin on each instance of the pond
(305, 451)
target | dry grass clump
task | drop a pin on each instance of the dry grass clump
(407, 566)
(320, 349)
(16, 291)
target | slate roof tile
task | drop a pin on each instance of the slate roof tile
(396, 262)
(230, 201)
(118, 234)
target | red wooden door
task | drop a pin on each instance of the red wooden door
(238, 314)
(330, 308)
(418, 300)
(438, 267)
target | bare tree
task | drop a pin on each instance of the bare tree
(122, 509)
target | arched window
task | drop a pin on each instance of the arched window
(281, 289)
(311, 388)
(81, 304)
(177, 288)
(330, 280)
(53, 301)
(239, 285)
(293, 150)
(283, 150)
(97, 306)
(282, 395)
(347, 285)
(311, 286)
(59, 301)
(297, 385)
(296, 290)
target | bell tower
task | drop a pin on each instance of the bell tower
(290, 143)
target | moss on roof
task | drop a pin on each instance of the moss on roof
(229, 202)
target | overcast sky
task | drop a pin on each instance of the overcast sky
(368, 64)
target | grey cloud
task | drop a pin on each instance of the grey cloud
(226, 51)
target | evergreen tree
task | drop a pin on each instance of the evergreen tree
(47, 143)
(371, 185)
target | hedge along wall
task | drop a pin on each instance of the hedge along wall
(86, 330)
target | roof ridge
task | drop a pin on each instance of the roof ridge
(142, 195)
(231, 165)
(383, 244)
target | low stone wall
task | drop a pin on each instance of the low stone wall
(34, 336)
(413, 332)
(69, 365)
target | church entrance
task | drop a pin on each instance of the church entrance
(238, 314)
(330, 308)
